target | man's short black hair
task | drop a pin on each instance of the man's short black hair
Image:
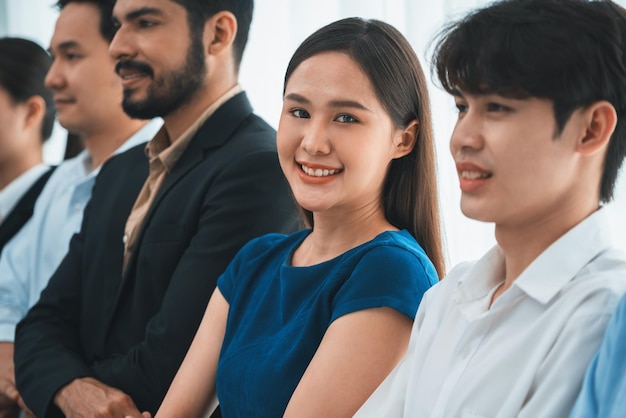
(571, 52)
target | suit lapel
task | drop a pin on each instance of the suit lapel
(212, 134)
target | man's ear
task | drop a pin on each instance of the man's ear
(600, 120)
(405, 140)
(220, 32)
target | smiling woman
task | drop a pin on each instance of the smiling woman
(308, 324)
(278, 27)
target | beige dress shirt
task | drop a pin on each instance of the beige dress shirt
(163, 153)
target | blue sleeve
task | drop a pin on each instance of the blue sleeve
(604, 390)
(386, 276)
(226, 281)
(247, 254)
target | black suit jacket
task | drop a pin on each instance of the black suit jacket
(23, 210)
(132, 330)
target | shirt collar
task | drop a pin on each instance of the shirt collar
(561, 261)
(552, 270)
(168, 151)
(481, 279)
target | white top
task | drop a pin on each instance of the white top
(13, 192)
(31, 257)
(526, 355)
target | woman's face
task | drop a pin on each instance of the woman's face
(335, 139)
(13, 118)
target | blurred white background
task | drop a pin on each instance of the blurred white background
(278, 27)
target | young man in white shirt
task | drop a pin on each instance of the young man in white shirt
(541, 91)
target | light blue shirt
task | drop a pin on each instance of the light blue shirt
(603, 394)
(13, 192)
(32, 256)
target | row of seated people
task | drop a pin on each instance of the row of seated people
(191, 256)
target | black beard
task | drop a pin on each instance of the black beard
(169, 91)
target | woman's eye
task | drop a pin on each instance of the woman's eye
(346, 119)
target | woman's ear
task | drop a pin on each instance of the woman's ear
(220, 32)
(35, 110)
(600, 120)
(405, 139)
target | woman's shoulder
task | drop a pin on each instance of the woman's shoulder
(396, 248)
(272, 242)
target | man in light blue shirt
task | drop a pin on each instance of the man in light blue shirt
(604, 391)
(87, 96)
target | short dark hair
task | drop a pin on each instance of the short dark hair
(199, 11)
(409, 198)
(107, 28)
(571, 52)
(23, 68)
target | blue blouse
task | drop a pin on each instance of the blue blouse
(278, 313)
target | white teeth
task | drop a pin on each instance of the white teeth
(473, 175)
(318, 172)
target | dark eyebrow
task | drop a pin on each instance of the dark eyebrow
(347, 103)
(297, 98)
(142, 12)
(64, 46)
(333, 103)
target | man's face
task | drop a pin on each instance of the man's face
(513, 167)
(161, 65)
(82, 77)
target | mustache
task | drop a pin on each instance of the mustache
(134, 65)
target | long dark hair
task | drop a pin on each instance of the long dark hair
(410, 198)
(23, 68)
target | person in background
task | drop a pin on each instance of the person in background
(26, 120)
(87, 95)
(308, 324)
(117, 317)
(540, 89)
(27, 117)
(603, 394)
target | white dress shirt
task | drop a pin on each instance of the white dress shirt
(526, 355)
(13, 192)
(34, 253)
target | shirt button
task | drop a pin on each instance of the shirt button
(125, 239)
(78, 207)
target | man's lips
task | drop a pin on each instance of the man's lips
(472, 177)
(63, 100)
(129, 70)
(470, 171)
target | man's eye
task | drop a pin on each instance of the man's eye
(497, 107)
(300, 113)
(146, 23)
(461, 107)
